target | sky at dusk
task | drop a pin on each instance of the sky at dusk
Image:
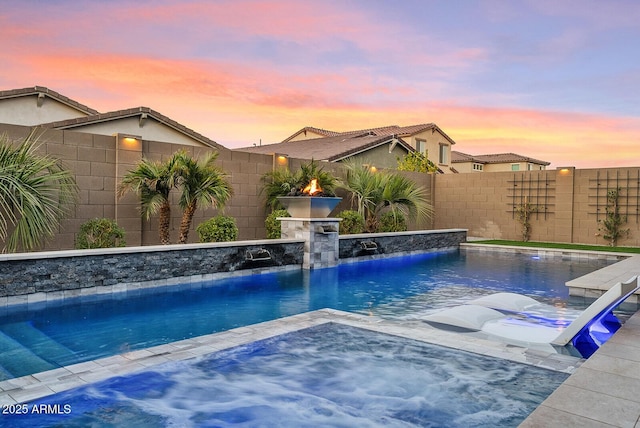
(554, 80)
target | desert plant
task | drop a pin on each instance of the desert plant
(392, 221)
(352, 222)
(523, 213)
(273, 225)
(611, 225)
(36, 192)
(218, 229)
(100, 233)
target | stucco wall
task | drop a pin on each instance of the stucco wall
(25, 111)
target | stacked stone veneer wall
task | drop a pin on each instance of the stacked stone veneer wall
(53, 275)
(351, 247)
(63, 274)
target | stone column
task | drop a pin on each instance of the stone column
(321, 247)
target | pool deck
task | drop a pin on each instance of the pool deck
(40, 385)
(603, 392)
(596, 283)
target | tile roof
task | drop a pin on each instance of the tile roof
(323, 132)
(145, 112)
(389, 130)
(37, 90)
(457, 157)
(334, 148)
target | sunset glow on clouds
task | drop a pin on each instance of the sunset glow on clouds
(557, 81)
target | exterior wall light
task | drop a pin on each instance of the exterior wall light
(280, 160)
(566, 170)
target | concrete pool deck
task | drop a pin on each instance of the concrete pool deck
(602, 392)
(40, 385)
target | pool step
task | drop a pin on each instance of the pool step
(18, 360)
(39, 343)
(4, 375)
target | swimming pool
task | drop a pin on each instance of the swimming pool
(327, 375)
(41, 339)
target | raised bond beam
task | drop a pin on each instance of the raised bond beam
(508, 317)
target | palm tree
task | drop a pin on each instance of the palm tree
(376, 192)
(153, 182)
(35, 193)
(203, 185)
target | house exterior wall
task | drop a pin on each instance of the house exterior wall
(380, 157)
(24, 111)
(151, 130)
(433, 140)
(507, 166)
(463, 167)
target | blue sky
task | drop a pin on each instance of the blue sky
(553, 80)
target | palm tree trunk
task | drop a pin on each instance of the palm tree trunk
(164, 224)
(185, 224)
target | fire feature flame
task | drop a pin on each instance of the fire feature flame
(312, 188)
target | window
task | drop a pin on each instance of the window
(515, 167)
(529, 167)
(477, 167)
(442, 158)
(421, 146)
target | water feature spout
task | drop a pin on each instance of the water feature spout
(327, 228)
(257, 255)
(368, 245)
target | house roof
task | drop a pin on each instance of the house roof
(458, 157)
(143, 113)
(332, 149)
(306, 129)
(389, 130)
(42, 91)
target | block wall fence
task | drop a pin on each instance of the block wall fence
(569, 203)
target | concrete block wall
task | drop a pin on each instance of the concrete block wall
(571, 203)
(480, 202)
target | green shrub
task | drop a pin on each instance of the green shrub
(272, 225)
(100, 233)
(352, 222)
(392, 222)
(220, 228)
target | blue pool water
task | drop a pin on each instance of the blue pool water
(42, 339)
(329, 375)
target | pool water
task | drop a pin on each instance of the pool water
(328, 375)
(35, 340)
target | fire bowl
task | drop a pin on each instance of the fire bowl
(309, 206)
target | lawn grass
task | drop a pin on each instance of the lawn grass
(559, 246)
